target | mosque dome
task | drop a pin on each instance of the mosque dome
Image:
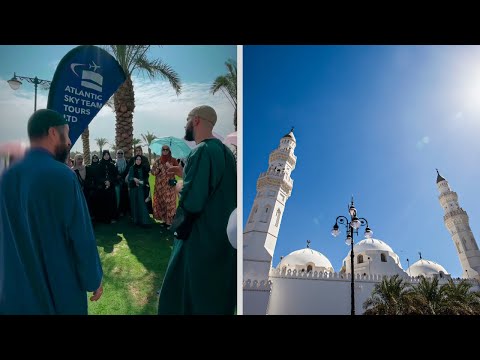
(306, 260)
(427, 268)
(374, 256)
(371, 245)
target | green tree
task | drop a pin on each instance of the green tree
(132, 58)
(228, 85)
(461, 299)
(392, 296)
(148, 140)
(429, 298)
(101, 142)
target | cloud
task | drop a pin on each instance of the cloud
(424, 141)
(459, 115)
(316, 221)
(157, 109)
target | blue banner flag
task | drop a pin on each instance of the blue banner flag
(84, 80)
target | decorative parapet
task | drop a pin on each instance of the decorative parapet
(451, 214)
(283, 154)
(334, 276)
(320, 275)
(277, 174)
(255, 285)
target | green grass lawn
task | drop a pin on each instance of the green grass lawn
(134, 261)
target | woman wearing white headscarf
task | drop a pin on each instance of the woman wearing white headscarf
(80, 169)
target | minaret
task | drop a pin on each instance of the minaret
(274, 187)
(456, 221)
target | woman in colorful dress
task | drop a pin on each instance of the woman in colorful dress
(164, 195)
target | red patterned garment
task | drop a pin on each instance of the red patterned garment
(164, 195)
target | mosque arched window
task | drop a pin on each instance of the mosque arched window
(359, 259)
(309, 268)
(383, 258)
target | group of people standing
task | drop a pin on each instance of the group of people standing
(116, 188)
(49, 258)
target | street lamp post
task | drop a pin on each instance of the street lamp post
(15, 83)
(352, 227)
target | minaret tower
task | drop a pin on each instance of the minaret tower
(456, 221)
(274, 187)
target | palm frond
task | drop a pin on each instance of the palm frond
(158, 67)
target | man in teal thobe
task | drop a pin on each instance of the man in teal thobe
(201, 274)
(48, 253)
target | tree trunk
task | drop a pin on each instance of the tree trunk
(149, 156)
(124, 101)
(86, 146)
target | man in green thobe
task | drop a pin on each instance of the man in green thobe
(48, 252)
(201, 274)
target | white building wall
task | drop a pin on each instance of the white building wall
(293, 293)
(256, 296)
(304, 295)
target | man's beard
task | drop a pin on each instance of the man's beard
(62, 150)
(189, 134)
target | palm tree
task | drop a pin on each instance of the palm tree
(461, 300)
(132, 58)
(148, 140)
(101, 142)
(389, 297)
(429, 298)
(228, 84)
(86, 146)
(135, 142)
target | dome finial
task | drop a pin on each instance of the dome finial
(420, 254)
(293, 127)
(308, 244)
(439, 177)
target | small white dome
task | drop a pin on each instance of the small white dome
(302, 258)
(369, 245)
(373, 256)
(426, 268)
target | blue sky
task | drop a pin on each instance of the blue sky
(158, 109)
(372, 121)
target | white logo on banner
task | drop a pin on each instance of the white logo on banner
(90, 79)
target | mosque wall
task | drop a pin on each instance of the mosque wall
(316, 294)
(256, 295)
(299, 293)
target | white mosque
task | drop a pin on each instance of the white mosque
(305, 282)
